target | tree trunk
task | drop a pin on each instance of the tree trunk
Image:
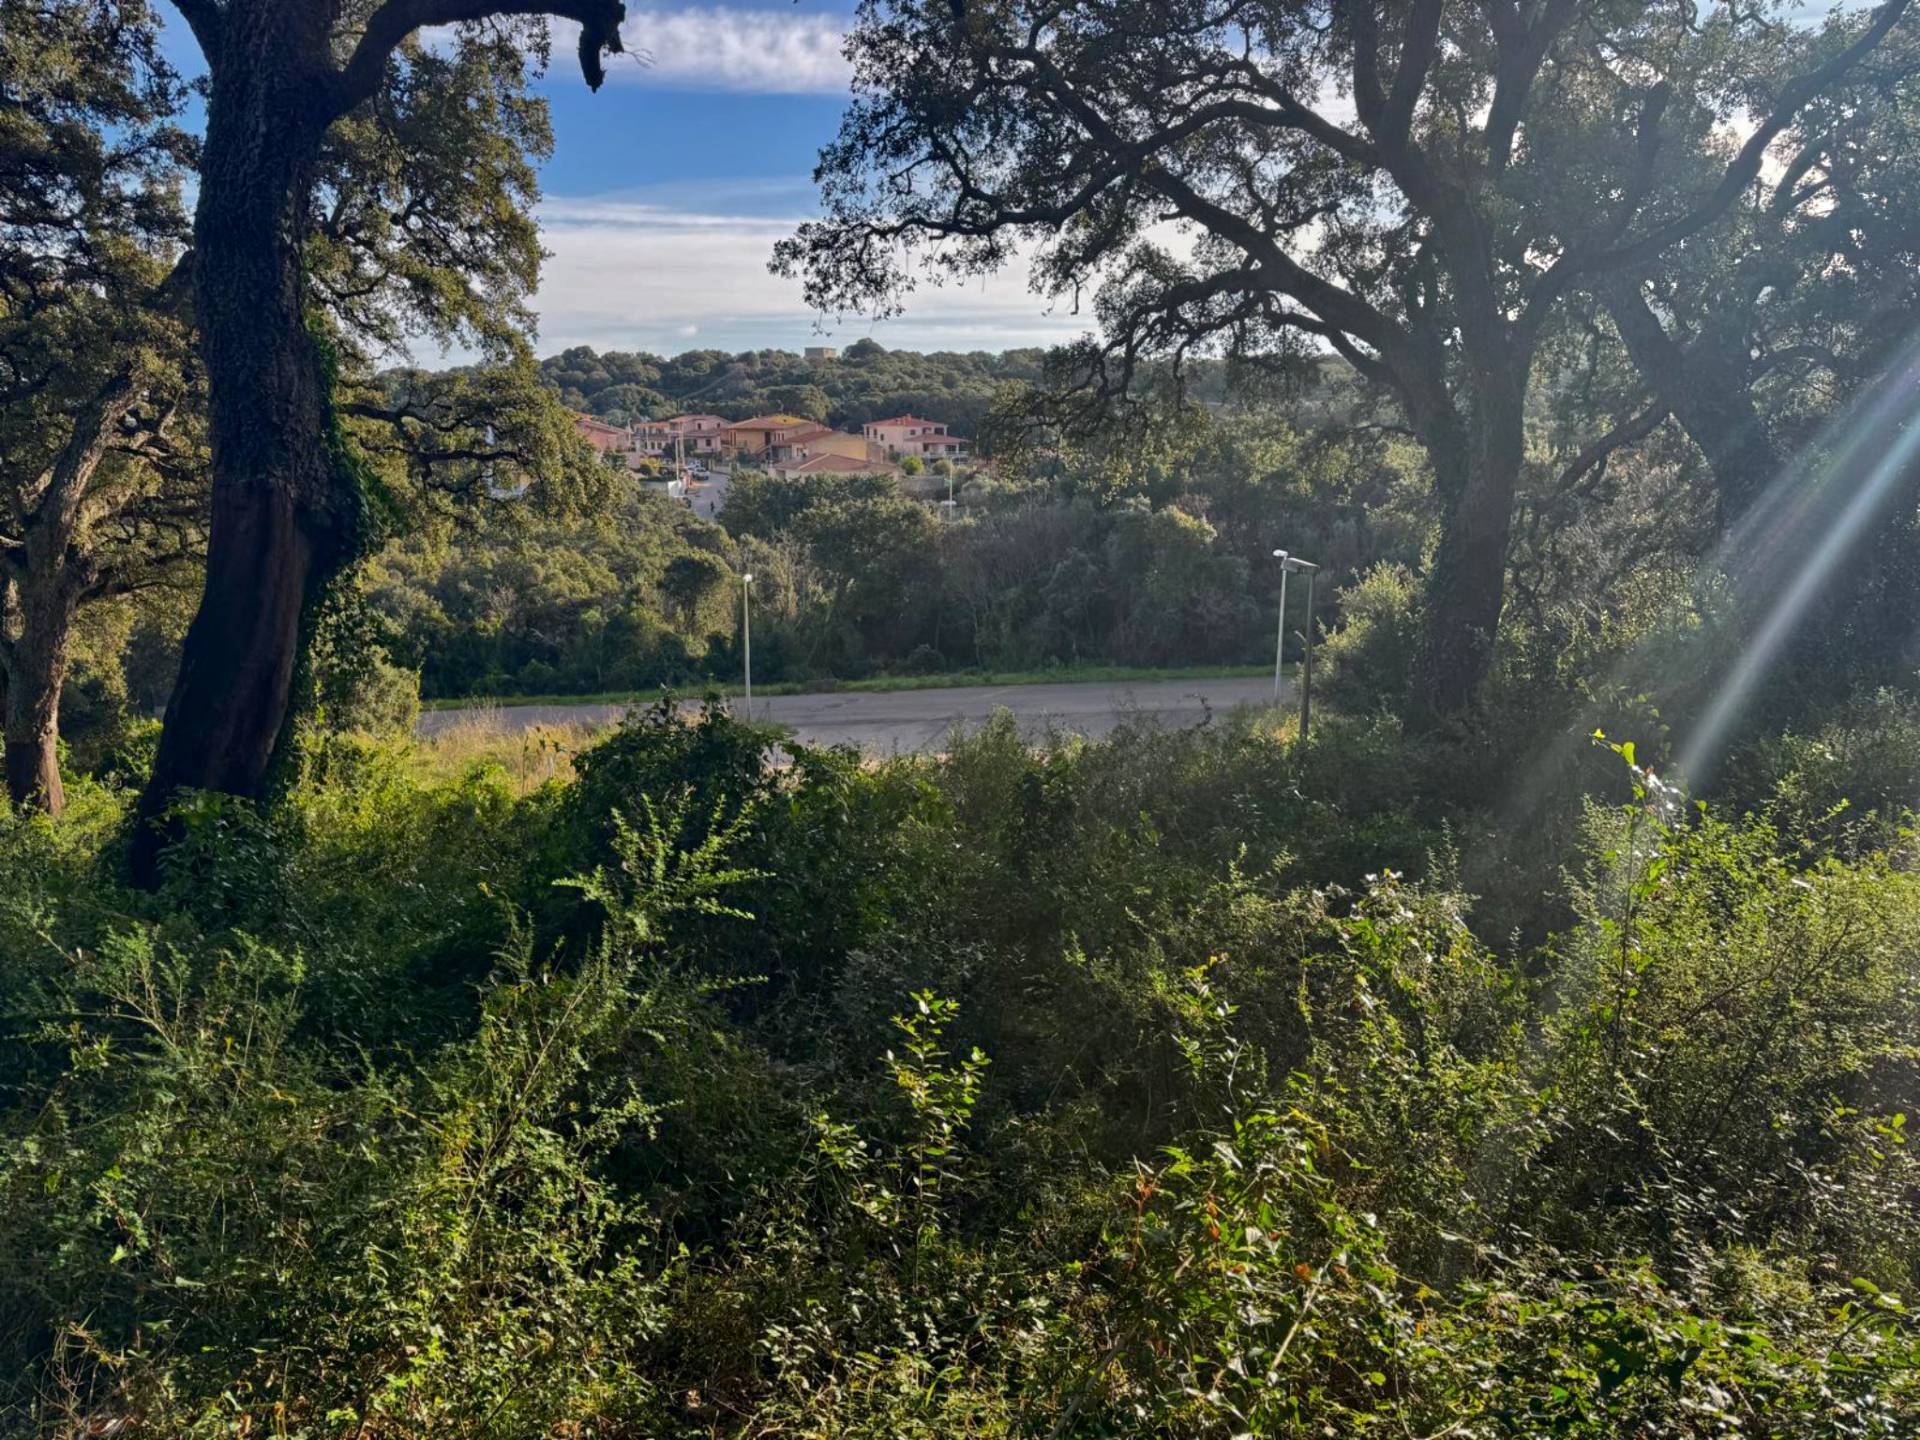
(1705, 386)
(1476, 473)
(284, 520)
(36, 671)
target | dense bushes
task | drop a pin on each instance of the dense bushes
(1150, 552)
(1160, 1085)
(1373, 658)
(627, 600)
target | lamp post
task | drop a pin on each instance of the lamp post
(1280, 633)
(1288, 564)
(746, 637)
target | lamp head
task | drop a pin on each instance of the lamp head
(1280, 555)
(747, 579)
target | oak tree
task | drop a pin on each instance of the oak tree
(101, 490)
(292, 86)
(1389, 182)
(1805, 296)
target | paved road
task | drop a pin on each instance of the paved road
(895, 721)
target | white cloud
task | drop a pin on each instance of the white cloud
(631, 275)
(771, 52)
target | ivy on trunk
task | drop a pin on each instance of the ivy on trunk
(288, 507)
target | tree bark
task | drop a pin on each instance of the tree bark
(1705, 385)
(1476, 467)
(284, 519)
(44, 581)
(36, 673)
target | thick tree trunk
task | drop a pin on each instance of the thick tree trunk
(1705, 386)
(36, 672)
(283, 519)
(1476, 472)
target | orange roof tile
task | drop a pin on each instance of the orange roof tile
(771, 422)
(839, 465)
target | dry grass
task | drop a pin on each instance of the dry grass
(530, 757)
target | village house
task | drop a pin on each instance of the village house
(776, 440)
(765, 439)
(697, 435)
(830, 463)
(604, 437)
(923, 439)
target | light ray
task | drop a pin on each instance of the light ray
(1795, 536)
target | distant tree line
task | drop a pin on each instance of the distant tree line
(1155, 552)
(865, 382)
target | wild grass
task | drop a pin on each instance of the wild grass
(528, 757)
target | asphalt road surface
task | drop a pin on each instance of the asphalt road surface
(900, 721)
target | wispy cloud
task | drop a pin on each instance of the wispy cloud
(769, 52)
(633, 275)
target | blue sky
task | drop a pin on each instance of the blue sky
(668, 189)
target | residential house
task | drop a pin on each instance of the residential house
(829, 463)
(777, 440)
(905, 435)
(603, 436)
(765, 439)
(838, 442)
(697, 436)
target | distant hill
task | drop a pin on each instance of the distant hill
(865, 382)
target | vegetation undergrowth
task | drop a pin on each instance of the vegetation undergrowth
(1156, 1085)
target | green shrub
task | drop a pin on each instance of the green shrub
(1090, 1088)
(1858, 763)
(1372, 661)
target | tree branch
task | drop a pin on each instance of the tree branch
(1740, 172)
(1419, 48)
(1627, 432)
(208, 21)
(390, 25)
(1522, 50)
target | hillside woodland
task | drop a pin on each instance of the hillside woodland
(865, 381)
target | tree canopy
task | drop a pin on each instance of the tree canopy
(1418, 187)
(102, 487)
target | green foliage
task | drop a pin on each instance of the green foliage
(1154, 1085)
(628, 598)
(1149, 550)
(1852, 766)
(1149, 546)
(866, 382)
(1372, 659)
(380, 698)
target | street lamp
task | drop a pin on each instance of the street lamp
(746, 637)
(1288, 564)
(1280, 631)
